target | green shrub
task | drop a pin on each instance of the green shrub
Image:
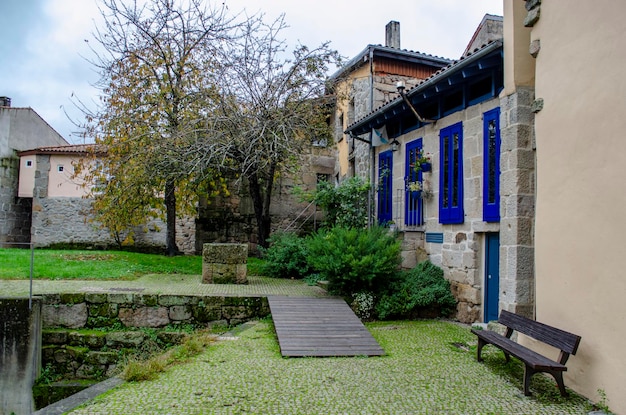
(355, 260)
(344, 205)
(421, 288)
(286, 256)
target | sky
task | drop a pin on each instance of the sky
(44, 57)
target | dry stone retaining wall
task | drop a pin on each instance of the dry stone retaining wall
(74, 349)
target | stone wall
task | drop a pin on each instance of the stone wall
(460, 254)
(231, 219)
(69, 221)
(77, 351)
(14, 211)
(517, 203)
(133, 309)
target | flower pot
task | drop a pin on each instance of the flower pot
(424, 167)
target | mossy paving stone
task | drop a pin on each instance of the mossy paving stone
(422, 373)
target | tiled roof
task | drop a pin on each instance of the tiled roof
(69, 149)
(441, 73)
(418, 57)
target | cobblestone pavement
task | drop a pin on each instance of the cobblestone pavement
(422, 373)
(158, 284)
(430, 367)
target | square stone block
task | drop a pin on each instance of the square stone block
(224, 264)
(225, 253)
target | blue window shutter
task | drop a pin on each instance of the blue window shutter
(491, 165)
(413, 211)
(451, 174)
(385, 168)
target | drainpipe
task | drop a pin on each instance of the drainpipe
(370, 201)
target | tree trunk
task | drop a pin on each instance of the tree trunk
(261, 204)
(170, 213)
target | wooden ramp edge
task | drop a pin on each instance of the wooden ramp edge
(320, 327)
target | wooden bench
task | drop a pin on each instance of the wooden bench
(534, 362)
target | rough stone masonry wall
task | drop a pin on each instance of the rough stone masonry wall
(384, 90)
(68, 220)
(78, 352)
(517, 203)
(231, 219)
(460, 255)
(14, 211)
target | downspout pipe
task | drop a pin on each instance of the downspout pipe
(370, 210)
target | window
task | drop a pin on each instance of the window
(340, 127)
(413, 214)
(60, 168)
(323, 177)
(451, 175)
(385, 165)
(29, 163)
(491, 165)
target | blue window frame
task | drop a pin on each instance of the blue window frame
(413, 209)
(491, 165)
(385, 167)
(451, 174)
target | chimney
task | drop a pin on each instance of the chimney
(392, 35)
(5, 102)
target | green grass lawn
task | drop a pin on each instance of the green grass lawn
(104, 265)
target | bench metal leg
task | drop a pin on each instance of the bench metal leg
(479, 348)
(558, 376)
(528, 373)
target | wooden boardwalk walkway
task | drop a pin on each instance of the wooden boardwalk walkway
(320, 327)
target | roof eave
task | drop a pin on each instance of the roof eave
(392, 53)
(445, 73)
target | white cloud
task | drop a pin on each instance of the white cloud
(44, 66)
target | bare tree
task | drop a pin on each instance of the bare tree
(271, 107)
(158, 65)
(190, 94)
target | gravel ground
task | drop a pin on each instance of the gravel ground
(430, 368)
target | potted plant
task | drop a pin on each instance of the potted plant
(422, 162)
(414, 187)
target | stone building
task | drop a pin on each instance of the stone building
(58, 212)
(366, 82)
(20, 129)
(61, 212)
(449, 208)
(522, 203)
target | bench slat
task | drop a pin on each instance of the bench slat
(558, 338)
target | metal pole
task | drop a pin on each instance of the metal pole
(32, 259)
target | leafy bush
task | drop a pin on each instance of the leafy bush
(345, 205)
(286, 256)
(420, 288)
(363, 304)
(354, 260)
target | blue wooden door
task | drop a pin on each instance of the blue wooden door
(385, 166)
(492, 276)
